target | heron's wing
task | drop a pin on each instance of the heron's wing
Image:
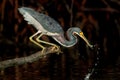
(39, 19)
(30, 19)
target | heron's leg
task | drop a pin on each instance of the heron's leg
(35, 42)
(54, 45)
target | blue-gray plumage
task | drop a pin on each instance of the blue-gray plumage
(47, 22)
(48, 26)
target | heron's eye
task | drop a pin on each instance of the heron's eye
(81, 33)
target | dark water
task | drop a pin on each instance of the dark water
(59, 67)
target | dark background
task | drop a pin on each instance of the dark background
(100, 22)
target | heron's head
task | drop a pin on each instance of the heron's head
(79, 32)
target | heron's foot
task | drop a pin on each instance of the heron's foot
(43, 52)
(57, 49)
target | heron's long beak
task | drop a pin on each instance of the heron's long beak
(85, 39)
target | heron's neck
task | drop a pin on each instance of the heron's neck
(71, 41)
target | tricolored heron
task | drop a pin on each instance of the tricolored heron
(46, 25)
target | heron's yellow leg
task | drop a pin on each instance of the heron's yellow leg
(35, 42)
(54, 45)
